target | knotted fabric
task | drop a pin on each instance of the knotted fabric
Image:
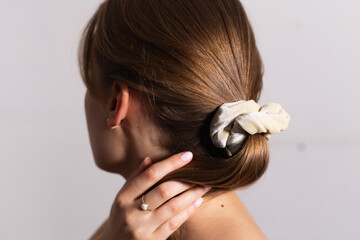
(232, 121)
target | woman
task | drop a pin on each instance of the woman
(171, 106)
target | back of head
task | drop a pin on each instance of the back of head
(186, 58)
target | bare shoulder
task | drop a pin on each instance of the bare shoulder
(233, 230)
(98, 232)
(239, 229)
(224, 217)
(250, 234)
(242, 225)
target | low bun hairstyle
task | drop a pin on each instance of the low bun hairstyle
(185, 58)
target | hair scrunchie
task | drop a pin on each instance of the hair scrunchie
(232, 120)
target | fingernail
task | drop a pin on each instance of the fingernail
(143, 162)
(198, 202)
(186, 156)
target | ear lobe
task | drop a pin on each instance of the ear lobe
(119, 104)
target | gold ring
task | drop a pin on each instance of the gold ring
(144, 206)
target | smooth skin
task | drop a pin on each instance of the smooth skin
(158, 223)
(124, 141)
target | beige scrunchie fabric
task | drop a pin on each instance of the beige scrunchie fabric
(232, 120)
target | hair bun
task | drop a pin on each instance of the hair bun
(232, 119)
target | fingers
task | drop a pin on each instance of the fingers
(164, 192)
(166, 229)
(145, 164)
(154, 173)
(178, 218)
(178, 204)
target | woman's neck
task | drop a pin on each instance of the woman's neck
(222, 217)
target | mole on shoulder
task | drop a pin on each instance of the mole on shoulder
(222, 205)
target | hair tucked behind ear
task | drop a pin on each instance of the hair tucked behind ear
(186, 58)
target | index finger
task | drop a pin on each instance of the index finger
(154, 173)
(145, 164)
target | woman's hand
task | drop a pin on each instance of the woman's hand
(127, 221)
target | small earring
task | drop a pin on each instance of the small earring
(107, 122)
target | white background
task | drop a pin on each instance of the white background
(50, 187)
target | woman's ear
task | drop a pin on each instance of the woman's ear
(118, 104)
